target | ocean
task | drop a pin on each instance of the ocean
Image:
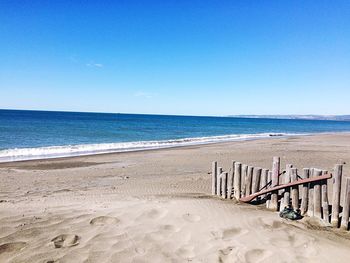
(28, 135)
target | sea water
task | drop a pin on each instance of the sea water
(28, 135)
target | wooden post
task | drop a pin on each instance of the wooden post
(285, 200)
(325, 204)
(317, 195)
(214, 168)
(269, 178)
(237, 181)
(218, 181)
(337, 176)
(346, 208)
(244, 178)
(275, 173)
(224, 185)
(295, 189)
(256, 179)
(263, 180)
(229, 183)
(268, 200)
(305, 192)
(248, 183)
(310, 205)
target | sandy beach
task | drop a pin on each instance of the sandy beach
(155, 206)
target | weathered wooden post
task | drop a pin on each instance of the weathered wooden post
(244, 178)
(317, 195)
(229, 183)
(263, 180)
(224, 185)
(218, 181)
(275, 173)
(214, 168)
(325, 204)
(269, 176)
(237, 181)
(285, 200)
(310, 205)
(346, 208)
(295, 189)
(256, 179)
(248, 183)
(337, 176)
(305, 192)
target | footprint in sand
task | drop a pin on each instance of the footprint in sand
(256, 255)
(191, 218)
(292, 240)
(65, 240)
(104, 220)
(170, 228)
(226, 251)
(140, 250)
(229, 233)
(12, 247)
(268, 224)
(186, 252)
(227, 255)
(156, 213)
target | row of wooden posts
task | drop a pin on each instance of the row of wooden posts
(310, 198)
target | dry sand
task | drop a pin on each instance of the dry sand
(155, 206)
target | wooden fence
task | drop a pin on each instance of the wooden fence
(313, 199)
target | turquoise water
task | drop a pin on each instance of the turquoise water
(39, 134)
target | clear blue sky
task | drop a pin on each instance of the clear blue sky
(176, 57)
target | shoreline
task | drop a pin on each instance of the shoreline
(264, 136)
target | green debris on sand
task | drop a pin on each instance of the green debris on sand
(291, 214)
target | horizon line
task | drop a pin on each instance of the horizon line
(250, 116)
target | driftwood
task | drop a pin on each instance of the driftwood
(214, 175)
(305, 192)
(280, 189)
(230, 183)
(248, 184)
(317, 194)
(310, 204)
(336, 195)
(276, 188)
(256, 179)
(285, 200)
(244, 179)
(295, 189)
(237, 181)
(346, 208)
(263, 180)
(325, 204)
(218, 180)
(224, 185)
(274, 182)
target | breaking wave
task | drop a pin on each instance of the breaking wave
(20, 154)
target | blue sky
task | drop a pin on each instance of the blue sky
(176, 57)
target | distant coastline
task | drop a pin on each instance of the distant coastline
(296, 117)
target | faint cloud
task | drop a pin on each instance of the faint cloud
(143, 94)
(95, 65)
(73, 59)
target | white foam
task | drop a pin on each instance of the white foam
(20, 154)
